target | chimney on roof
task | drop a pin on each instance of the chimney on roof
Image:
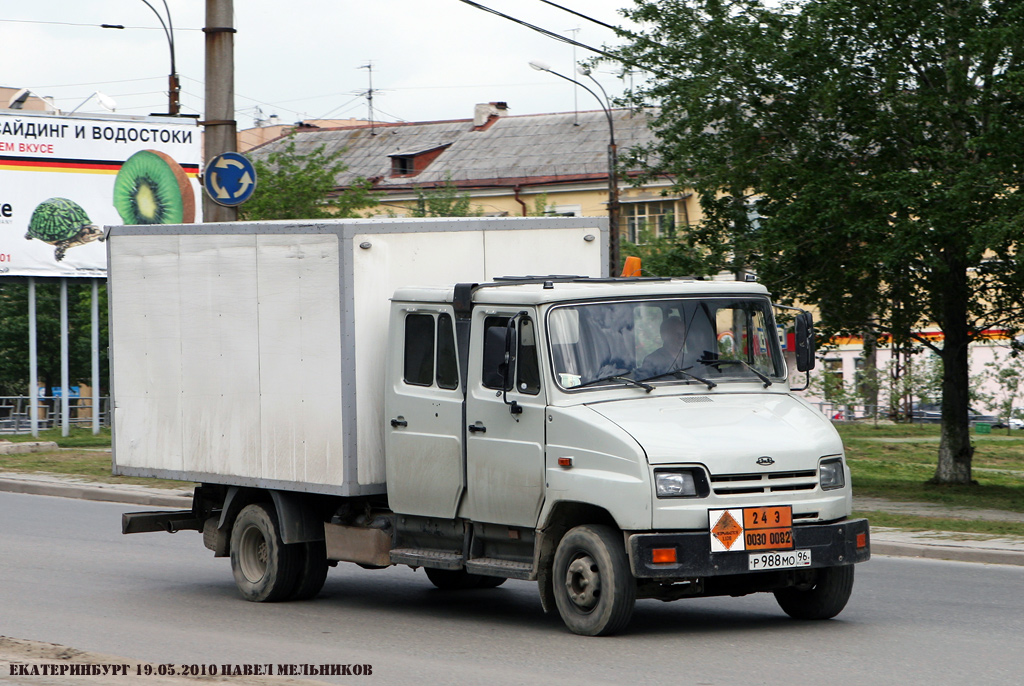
(486, 112)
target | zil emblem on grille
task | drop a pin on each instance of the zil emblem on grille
(765, 461)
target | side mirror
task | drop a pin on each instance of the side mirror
(804, 326)
(508, 366)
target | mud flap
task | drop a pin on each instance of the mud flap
(547, 591)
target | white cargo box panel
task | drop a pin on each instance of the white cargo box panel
(253, 353)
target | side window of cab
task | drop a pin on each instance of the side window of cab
(429, 356)
(524, 362)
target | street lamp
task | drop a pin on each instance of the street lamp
(613, 179)
(18, 100)
(173, 85)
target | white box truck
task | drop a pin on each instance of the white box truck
(476, 398)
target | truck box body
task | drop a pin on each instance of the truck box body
(253, 353)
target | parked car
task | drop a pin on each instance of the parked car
(931, 413)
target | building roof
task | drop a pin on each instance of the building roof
(506, 150)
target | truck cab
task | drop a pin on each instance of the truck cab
(635, 435)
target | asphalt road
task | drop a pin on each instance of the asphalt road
(68, 576)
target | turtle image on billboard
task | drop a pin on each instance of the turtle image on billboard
(61, 223)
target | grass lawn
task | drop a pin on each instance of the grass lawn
(77, 438)
(895, 462)
(82, 455)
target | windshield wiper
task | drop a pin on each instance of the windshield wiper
(710, 362)
(616, 377)
(685, 371)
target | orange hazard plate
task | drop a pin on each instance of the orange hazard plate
(768, 528)
(751, 528)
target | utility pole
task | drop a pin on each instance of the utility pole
(220, 125)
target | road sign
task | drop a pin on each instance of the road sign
(229, 179)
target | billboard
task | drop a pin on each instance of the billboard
(64, 177)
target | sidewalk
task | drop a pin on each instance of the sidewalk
(940, 545)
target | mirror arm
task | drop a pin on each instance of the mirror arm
(510, 339)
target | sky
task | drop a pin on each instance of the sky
(303, 59)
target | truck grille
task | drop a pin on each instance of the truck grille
(778, 482)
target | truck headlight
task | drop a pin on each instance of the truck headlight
(831, 474)
(684, 483)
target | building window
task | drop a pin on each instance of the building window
(649, 220)
(400, 165)
(833, 378)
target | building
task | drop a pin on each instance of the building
(273, 128)
(507, 164)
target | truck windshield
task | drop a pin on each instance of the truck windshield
(671, 340)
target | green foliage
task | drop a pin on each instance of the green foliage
(291, 185)
(1008, 376)
(666, 255)
(77, 438)
(14, 367)
(870, 167)
(443, 201)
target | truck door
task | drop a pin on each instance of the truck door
(423, 405)
(504, 442)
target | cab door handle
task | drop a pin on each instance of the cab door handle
(477, 428)
(399, 422)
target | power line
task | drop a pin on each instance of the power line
(582, 16)
(97, 83)
(570, 41)
(98, 26)
(549, 34)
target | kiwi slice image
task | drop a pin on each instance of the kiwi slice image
(151, 188)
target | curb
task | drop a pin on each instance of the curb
(146, 496)
(110, 494)
(946, 552)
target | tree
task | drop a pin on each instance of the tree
(443, 201)
(14, 363)
(863, 156)
(302, 186)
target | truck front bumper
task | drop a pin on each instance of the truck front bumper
(831, 545)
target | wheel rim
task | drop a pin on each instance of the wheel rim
(583, 582)
(252, 554)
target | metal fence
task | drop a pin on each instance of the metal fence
(15, 417)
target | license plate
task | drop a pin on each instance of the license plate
(751, 528)
(781, 560)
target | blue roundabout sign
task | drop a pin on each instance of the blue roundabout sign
(229, 179)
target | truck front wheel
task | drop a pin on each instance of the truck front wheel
(824, 599)
(265, 568)
(594, 589)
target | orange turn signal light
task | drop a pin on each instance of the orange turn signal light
(862, 540)
(660, 556)
(565, 462)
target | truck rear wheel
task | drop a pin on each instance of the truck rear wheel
(824, 600)
(594, 589)
(265, 569)
(312, 570)
(460, 579)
